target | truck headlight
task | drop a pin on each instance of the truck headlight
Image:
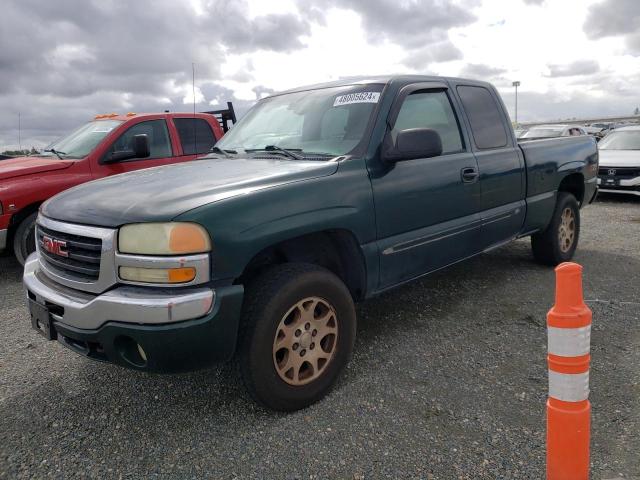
(172, 238)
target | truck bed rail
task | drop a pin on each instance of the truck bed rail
(225, 116)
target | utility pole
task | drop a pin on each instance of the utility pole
(516, 84)
(19, 133)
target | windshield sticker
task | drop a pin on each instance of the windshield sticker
(360, 97)
(101, 129)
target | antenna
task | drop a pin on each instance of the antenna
(19, 134)
(193, 91)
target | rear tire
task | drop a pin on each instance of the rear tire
(559, 241)
(297, 333)
(24, 239)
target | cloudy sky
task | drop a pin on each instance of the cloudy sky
(63, 61)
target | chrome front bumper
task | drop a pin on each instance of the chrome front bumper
(129, 304)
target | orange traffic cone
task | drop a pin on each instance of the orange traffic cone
(568, 407)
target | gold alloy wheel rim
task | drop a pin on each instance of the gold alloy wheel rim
(305, 341)
(567, 230)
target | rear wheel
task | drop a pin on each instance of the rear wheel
(558, 242)
(298, 331)
(24, 239)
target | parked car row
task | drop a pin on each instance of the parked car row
(550, 131)
(619, 150)
(597, 130)
(318, 198)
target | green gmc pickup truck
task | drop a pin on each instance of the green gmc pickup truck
(318, 198)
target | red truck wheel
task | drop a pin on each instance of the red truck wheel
(24, 240)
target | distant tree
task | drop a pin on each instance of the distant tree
(16, 153)
(34, 151)
(636, 111)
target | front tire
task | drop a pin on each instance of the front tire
(298, 331)
(559, 241)
(24, 239)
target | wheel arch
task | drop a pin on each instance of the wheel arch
(573, 183)
(19, 216)
(337, 250)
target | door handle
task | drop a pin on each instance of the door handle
(469, 174)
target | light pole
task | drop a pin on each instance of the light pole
(516, 84)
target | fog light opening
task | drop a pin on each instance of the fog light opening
(131, 351)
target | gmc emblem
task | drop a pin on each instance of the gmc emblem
(55, 246)
(611, 171)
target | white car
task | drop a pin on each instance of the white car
(619, 170)
(547, 131)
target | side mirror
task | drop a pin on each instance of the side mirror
(141, 146)
(139, 149)
(415, 143)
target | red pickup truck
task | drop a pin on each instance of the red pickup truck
(108, 145)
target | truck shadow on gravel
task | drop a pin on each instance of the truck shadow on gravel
(491, 308)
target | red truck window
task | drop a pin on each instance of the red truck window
(156, 130)
(195, 134)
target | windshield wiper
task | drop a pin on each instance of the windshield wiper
(274, 148)
(57, 153)
(223, 152)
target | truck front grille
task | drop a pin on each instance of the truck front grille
(73, 255)
(623, 173)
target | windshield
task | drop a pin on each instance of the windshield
(80, 142)
(543, 132)
(629, 140)
(330, 121)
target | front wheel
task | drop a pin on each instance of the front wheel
(24, 240)
(298, 330)
(558, 242)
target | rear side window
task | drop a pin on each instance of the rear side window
(430, 110)
(195, 134)
(487, 123)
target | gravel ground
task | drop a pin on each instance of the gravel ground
(448, 380)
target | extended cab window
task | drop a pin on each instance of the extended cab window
(487, 123)
(156, 130)
(195, 134)
(430, 110)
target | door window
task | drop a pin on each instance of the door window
(195, 135)
(430, 110)
(487, 124)
(156, 130)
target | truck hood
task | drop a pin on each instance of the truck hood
(161, 193)
(16, 167)
(619, 158)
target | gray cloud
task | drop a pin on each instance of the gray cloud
(615, 18)
(579, 67)
(421, 58)
(534, 2)
(66, 60)
(481, 71)
(420, 27)
(556, 105)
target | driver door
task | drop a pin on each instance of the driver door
(427, 208)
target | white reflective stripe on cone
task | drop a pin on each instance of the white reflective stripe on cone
(569, 342)
(569, 387)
